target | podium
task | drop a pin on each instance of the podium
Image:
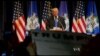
(58, 43)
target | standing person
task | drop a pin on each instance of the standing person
(55, 22)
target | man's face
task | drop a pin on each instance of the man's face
(55, 12)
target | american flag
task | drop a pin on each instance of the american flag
(46, 14)
(19, 21)
(79, 24)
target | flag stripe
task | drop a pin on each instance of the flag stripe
(19, 29)
(80, 25)
(76, 25)
(74, 28)
(22, 21)
(23, 17)
(43, 27)
(84, 23)
(19, 21)
(19, 37)
(20, 26)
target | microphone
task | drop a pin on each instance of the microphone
(61, 24)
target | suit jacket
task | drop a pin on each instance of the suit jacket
(50, 23)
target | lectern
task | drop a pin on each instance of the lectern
(58, 43)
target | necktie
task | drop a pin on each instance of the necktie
(56, 22)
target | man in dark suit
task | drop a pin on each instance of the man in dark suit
(55, 22)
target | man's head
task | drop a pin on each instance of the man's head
(55, 11)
